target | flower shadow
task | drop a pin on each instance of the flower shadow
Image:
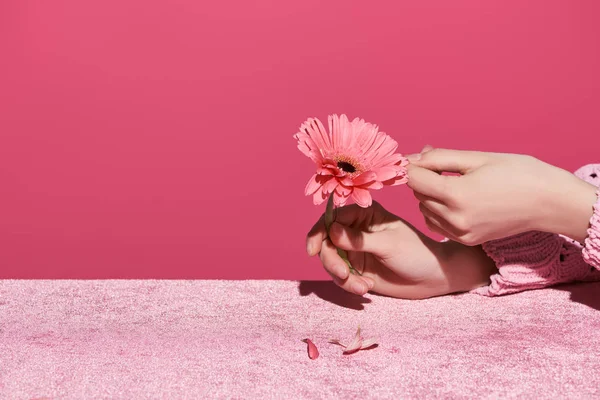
(330, 292)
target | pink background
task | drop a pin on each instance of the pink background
(153, 139)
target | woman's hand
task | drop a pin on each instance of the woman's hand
(395, 259)
(498, 195)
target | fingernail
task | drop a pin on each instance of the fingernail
(414, 157)
(358, 288)
(426, 148)
(309, 249)
(342, 271)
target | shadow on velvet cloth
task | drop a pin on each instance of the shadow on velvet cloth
(583, 293)
(329, 291)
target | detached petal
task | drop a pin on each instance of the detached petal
(356, 343)
(368, 343)
(313, 352)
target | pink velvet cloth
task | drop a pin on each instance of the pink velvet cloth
(242, 339)
(534, 260)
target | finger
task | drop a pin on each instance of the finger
(432, 204)
(338, 269)
(353, 239)
(315, 237)
(433, 227)
(427, 182)
(359, 263)
(436, 223)
(446, 160)
(426, 148)
(416, 157)
(332, 262)
(353, 213)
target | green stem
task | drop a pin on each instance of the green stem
(329, 219)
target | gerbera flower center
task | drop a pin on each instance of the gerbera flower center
(346, 167)
(349, 165)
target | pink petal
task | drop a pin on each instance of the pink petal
(312, 130)
(364, 178)
(374, 185)
(320, 129)
(330, 185)
(394, 159)
(370, 153)
(399, 180)
(339, 200)
(314, 183)
(334, 131)
(343, 191)
(368, 343)
(313, 352)
(345, 131)
(319, 196)
(386, 173)
(356, 343)
(324, 171)
(346, 182)
(336, 341)
(386, 149)
(308, 147)
(362, 197)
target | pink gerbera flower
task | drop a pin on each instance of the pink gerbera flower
(352, 158)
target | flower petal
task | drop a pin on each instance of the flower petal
(330, 185)
(386, 173)
(399, 180)
(339, 200)
(313, 352)
(362, 197)
(324, 171)
(313, 184)
(311, 129)
(356, 343)
(374, 185)
(336, 341)
(364, 178)
(319, 196)
(343, 190)
(366, 343)
(394, 159)
(308, 147)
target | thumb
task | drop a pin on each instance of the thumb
(352, 239)
(445, 160)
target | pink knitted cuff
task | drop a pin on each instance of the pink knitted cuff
(534, 260)
(591, 251)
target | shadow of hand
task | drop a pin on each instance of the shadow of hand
(584, 293)
(332, 293)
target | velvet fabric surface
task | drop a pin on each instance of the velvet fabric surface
(130, 339)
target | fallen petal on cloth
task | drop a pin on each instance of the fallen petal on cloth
(313, 352)
(358, 343)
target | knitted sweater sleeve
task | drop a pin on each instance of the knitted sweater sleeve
(534, 260)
